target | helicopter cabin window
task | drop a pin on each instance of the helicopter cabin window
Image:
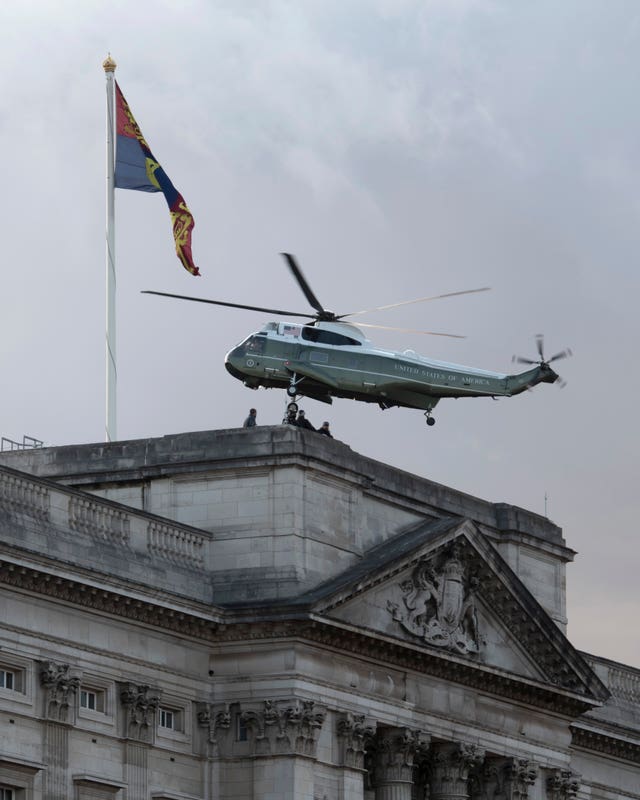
(286, 329)
(322, 336)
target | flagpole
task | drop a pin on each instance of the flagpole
(109, 66)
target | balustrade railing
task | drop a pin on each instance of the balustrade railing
(175, 544)
(98, 521)
(19, 494)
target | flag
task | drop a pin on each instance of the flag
(136, 168)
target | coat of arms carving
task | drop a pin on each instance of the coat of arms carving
(439, 604)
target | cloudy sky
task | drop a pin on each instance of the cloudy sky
(399, 148)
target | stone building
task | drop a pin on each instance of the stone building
(264, 614)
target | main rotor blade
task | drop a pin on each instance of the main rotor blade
(232, 305)
(409, 330)
(521, 360)
(540, 345)
(562, 354)
(409, 302)
(297, 274)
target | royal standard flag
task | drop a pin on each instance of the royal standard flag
(136, 168)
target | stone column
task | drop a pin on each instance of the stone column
(140, 704)
(284, 737)
(562, 784)
(60, 687)
(450, 764)
(393, 764)
(353, 735)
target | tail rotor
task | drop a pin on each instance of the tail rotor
(542, 361)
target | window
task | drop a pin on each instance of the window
(7, 681)
(92, 700)
(12, 679)
(6, 794)
(242, 732)
(323, 336)
(170, 719)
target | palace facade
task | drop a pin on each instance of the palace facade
(264, 614)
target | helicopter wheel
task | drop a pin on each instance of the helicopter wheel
(292, 391)
(430, 419)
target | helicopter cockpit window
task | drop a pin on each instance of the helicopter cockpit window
(322, 336)
(255, 344)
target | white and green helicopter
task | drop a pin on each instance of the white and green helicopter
(328, 358)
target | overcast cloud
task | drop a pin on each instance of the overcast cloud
(399, 149)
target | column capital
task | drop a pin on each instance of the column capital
(562, 784)
(450, 765)
(60, 686)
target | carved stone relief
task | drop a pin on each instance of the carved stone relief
(439, 603)
(562, 784)
(216, 719)
(285, 729)
(353, 733)
(60, 686)
(140, 703)
(503, 779)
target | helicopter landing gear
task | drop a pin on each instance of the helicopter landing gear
(292, 388)
(430, 419)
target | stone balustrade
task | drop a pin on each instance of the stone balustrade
(85, 520)
(24, 496)
(176, 544)
(98, 520)
(623, 682)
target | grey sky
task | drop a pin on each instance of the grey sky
(399, 149)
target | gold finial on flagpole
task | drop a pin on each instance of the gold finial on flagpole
(109, 64)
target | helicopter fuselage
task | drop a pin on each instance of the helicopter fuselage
(335, 359)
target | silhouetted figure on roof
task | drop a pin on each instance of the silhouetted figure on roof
(303, 422)
(324, 430)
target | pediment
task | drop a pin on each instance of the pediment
(444, 589)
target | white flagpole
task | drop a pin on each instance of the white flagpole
(109, 66)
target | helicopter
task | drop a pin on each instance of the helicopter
(328, 357)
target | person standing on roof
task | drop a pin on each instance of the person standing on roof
(303, 422)
(324, 430)
(250, 421)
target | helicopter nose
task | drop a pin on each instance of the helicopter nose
(233, 361)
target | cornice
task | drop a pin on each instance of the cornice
(295, 623)
(605, 742)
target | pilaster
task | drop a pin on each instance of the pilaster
(60, 687)
(353, 735)
(287, 732)
(140, 703)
